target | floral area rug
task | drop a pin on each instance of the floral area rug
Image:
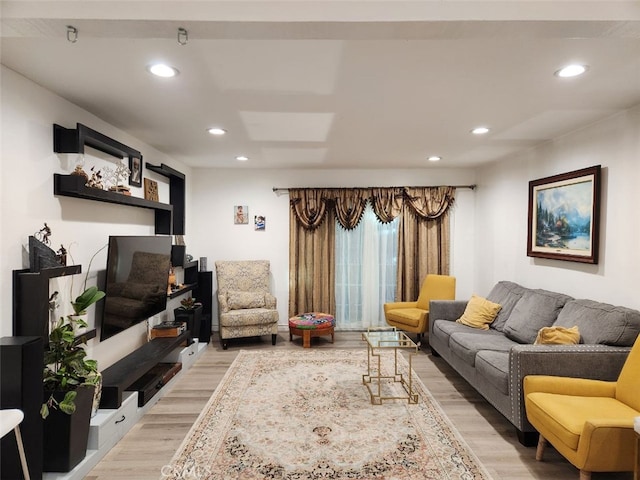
(307, 415)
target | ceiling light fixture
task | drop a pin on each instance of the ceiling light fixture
(242, 158)
(217, 131)
(571, 71)
(163, 70)
(480, 130)
(434, 158)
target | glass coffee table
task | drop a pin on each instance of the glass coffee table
(386, 342)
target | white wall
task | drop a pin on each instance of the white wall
(216, 192)
(502, 207)
(27, 167)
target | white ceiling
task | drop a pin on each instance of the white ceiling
(333, 84)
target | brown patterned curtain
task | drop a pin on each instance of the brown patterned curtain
(423, 238)
(387, 203)
(350, 204)
(311, 252)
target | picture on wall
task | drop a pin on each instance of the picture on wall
(564, 216)
(241, 215)
(260, 222)
(135, 166)
(151, 190)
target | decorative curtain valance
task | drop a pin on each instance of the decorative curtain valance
(310, 205)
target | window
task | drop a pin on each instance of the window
(366, 265)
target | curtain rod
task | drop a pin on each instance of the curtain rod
(283, 190)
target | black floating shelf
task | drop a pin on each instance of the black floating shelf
(73, 140)
(180, 291)
(74, 186)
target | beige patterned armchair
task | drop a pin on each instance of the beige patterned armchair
(246, 307)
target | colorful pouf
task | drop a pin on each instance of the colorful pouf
(312, 324)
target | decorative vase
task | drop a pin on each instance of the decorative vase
(66, 436)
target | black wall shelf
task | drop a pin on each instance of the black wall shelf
(73, 140)
(74, 186)
(176, 194)
(31, 300)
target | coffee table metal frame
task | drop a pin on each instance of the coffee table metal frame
(378, 341)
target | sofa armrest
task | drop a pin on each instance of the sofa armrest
(270, 301)
(395, 305)
(597, 362)
(450, 310)
(577, 387)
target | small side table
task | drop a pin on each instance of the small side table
(381, 340)
(312, 324)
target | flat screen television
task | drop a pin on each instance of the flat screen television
(137, 281)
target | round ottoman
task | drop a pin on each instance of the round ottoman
(312, 324)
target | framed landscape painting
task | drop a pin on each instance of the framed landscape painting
(564, 216)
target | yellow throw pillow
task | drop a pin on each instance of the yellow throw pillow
(557, 336)
(479, 313)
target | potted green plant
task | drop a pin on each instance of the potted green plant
(190, 312)
(69, 381)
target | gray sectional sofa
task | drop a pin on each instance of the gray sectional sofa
(496, 360)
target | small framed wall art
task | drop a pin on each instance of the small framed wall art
(135, 167)
(260, 222)
(151, 190)
(241, 215)
(564, 216)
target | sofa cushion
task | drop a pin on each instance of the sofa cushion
(466, 345)
(601, 323)
(536, 309)
(556, 335)
(493, 367)
(240, 300)
(479, 313)
(506, 294)
(444, 328)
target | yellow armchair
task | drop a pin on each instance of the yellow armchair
(414, 316)
(589, 422)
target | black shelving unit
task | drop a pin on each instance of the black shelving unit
(121, 375)
(31, 300)
(176, 194)
(74, 186)
(73, 140)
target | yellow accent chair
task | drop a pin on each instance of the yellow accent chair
(589, 422)
(414, 316)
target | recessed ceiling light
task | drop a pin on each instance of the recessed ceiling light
(480, 130)
(242, 158)
(571, 71)
(434, 158)
(217, 131)
(163, 70)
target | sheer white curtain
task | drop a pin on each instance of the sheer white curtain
(366, 262)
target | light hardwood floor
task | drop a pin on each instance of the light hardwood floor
(154, 439)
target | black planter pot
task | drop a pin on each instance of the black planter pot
(66, 436)
(193, 319)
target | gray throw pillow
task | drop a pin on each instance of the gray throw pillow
(536, 309)
(506, 294)
(601, 323)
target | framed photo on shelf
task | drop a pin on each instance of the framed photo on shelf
(135, 166)
(564, 216)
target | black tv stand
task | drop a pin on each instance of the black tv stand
(118, 377)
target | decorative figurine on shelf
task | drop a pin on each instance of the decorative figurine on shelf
(79, 171)
(43, 234)
(117, 177)
(172, 280)
(61, 255)
(96, 179)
